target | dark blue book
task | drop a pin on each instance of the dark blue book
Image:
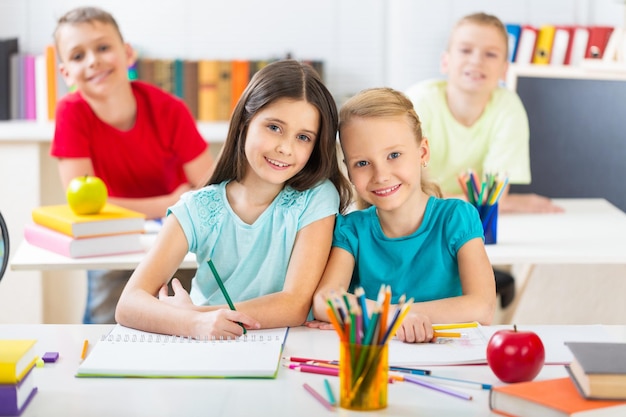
(8, 47)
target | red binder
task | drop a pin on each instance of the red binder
(598, 38)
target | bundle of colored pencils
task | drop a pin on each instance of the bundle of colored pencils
(482, 193)
(353, 323)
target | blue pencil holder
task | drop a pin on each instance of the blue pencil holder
(489, 218)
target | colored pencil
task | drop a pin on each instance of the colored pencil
(413, 371)
(461, 382)
(447, 334)
(318, 397)
(223, 289)
(445, 390)
(454, 325)
(312, 369)
(305, 360)
(83, 354)
(329, 392)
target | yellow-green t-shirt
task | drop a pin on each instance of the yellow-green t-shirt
(497, 142)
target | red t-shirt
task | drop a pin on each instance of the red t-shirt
(145, 161)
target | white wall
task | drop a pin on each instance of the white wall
(364, 43)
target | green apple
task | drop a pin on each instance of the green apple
(86, 194)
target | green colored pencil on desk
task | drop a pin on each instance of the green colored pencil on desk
(223, 289)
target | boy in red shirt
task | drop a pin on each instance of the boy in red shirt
(141, 141)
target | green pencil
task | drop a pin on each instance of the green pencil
(224, 292)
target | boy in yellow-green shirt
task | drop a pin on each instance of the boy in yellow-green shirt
(473, 122)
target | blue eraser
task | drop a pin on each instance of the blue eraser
(50, 356)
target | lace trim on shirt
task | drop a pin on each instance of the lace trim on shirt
(290, 198)
(210, 207)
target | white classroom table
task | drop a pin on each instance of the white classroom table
(62, 394)
(591, 231)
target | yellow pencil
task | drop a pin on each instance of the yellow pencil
(454, 326)
(446, 334)
(83, 354)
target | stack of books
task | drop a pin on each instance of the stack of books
(599, 369)
(115, 230)
(17, 385)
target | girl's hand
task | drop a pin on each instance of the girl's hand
(316, 324)
(416, 328)
(223, 323)
(180, 299)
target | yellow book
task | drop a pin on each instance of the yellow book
(224, 90)
(208, 76)
(17, 357)
(543, 48)
(110, 221)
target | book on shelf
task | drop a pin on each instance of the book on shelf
(8, 47)
(224, 90)
(41, 89)
(543, 48)
(598, 39)
(178, 78)
(127, 352)
(208, 77)
(526, 45)
(562, 44)
(513, 31)
(579, 45)
(111, 220)
(65, 245)
(190, 86)
(17, 357)
(239, 80)
(613, 52)
(550, 397)
(599, 369)
(15, 397)
(51, 81)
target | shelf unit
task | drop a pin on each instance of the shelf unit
(23, 130)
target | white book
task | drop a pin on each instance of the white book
(41, 89)
(579, 46)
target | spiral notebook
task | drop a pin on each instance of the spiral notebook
(127, 352)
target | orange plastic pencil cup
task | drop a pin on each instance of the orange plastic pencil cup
(363, 388)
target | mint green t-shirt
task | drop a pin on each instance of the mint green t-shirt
(498, 142)
(252, 259)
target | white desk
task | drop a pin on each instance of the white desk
(61, 394)
(590, 231)
(29, 257)
(589, 235)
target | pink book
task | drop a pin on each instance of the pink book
(65, 245)
(29, 87)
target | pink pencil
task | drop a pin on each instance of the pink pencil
(322, 370)
(318, 397)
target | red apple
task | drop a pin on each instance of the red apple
(86, 195)
(515, 356)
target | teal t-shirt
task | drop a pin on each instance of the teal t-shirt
(422, 265)
(252, 259)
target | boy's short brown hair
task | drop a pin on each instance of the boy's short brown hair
(86, 15)
(485, 19)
